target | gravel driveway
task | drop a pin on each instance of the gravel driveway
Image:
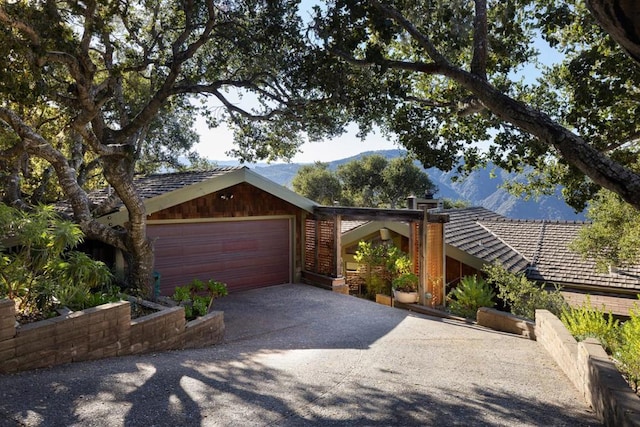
(295, 355)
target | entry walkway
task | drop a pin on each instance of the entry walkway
(295, 356)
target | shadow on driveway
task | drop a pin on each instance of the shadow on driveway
(295, 355)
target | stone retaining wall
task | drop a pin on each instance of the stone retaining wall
(98, 332)
(591, 371)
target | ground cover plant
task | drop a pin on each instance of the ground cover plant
(621, 340)
(39, 268)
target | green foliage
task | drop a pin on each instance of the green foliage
(403, 178)
(370, 181)
(455, 204)
(197, 296)
(621, 340)
(439, 112)
(318, 183)
(406, 282)
(627, 352)
(380, 264)
(41, 271)
(469, 295)
(522, 295)
(613, 238)
(586, 321)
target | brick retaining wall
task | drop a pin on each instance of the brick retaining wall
(591, 371)
(98, 332)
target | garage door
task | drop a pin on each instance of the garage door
(243, 254)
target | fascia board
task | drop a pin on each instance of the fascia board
(176, 197)
(464, 257)
(217, 183)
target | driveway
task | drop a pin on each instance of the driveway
(295, 355)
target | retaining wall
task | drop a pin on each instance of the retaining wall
(591, 370)
(103, 331)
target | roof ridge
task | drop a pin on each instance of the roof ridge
(504, 242)
(536, 254)
(538, 221)
(193, 172)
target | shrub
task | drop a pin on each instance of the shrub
(627, 352)
(406, 282)
(522, 295)
(380, 264)
(586, 321)
(42, 271)
(470, 294)
(192, 299)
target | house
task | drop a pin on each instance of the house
(233, 225)
(228, 224)
(475, 236)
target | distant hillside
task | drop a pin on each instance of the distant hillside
(479, 189)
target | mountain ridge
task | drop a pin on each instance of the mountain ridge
(480, 188)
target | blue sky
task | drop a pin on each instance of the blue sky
(215, 143)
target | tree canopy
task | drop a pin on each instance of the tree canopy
(318, 183)
(100, 90)
(442, 76)
(371, 181)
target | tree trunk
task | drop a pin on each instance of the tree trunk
(119, 173)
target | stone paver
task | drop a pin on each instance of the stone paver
(296, 355)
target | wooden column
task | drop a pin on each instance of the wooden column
(337, 246)
(423, 250)
(434, 257)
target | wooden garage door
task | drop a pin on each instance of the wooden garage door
(243, 254)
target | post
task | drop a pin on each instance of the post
(337, 243)
(435, 256)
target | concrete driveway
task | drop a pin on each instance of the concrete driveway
(296, 355)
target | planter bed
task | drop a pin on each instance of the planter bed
(103, 331)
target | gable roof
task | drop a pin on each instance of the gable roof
(545, 244)
(540, 248)
(161, 191)
(466, 233)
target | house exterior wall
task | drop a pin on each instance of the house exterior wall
(241, 201)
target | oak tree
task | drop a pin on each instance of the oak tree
(443, 75)
(92, 92)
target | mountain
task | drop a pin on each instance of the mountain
(478, 189)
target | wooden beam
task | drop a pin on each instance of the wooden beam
(372, 214)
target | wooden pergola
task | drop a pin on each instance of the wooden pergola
(323, 265)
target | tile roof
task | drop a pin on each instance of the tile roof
(348, 225)
(154, 185)
(466, 232)
(538, 247)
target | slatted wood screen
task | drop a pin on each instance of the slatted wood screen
(320, 246)
(415, 247)
(435, 260)
(310, 245)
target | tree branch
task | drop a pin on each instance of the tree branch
(621, 20)
(479, 60)
(417, 35)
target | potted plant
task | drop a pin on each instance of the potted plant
(405, 288)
